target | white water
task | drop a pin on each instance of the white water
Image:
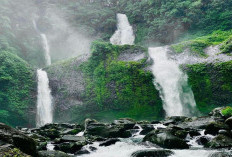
(44, 100)
(177, 97)
(124, 34)
(45, 44)
(46, 49)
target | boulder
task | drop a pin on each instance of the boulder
(203, 140)
(146, 129)
(174, 120)
(70, 147)
(229, 122)
(18, 139)
(217, 112)
(214, 127)
(126, 123)
(71, 138)
(52, 154)
(166, 139)
(109, 142)
(105, 130)
(220, 141)
(152, 153)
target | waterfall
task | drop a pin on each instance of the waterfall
(46, 49)
(45, 44)
(124, 34)
(172, 83)
(44, 100)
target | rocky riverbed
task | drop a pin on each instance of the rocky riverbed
(208, 136)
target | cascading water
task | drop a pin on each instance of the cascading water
(45, 45)
(44, 100)
(177, 97)
(124, 34)
(46, 49)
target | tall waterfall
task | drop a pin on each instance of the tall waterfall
(177, 97)
(45, 44)
(124, 34)
(44, 100)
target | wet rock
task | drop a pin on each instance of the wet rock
(217, 112)
(146, 129)
(166, 139)
(220, 141)
(213, 128)
(229, 122)
(70, 147)
(42, 146)
(152, 153)
(106, 130)
(18, 139)
(82, 152)
(203, 140)
(221, 154)
(174, 120)
(52, 154)
(109, 142)
(126, 123)
(50, 133)
(71, 138)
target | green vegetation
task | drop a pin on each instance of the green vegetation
(16, 87)
(227, 111)
(211, 84)
(198, 45)
(118, 88)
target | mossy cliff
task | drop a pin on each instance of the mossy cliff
(211, 84)
(113, 83)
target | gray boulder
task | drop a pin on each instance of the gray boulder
(166, 139)
(152, 153)
(18, 139)
(52, 154)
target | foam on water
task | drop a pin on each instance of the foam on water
(124, 34)
(172, 83)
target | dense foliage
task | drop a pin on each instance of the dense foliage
(16, 88)
(116, 89)
(211, 84)
(162, 21)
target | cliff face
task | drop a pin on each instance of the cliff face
(113, 82)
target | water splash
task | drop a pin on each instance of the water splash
(177, 97)
(124, 34)
(44, 100)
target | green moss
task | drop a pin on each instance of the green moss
(227, 111)
(16, 88)
(198, 45)
(211, 84)
(226, 46)
(119, 86)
